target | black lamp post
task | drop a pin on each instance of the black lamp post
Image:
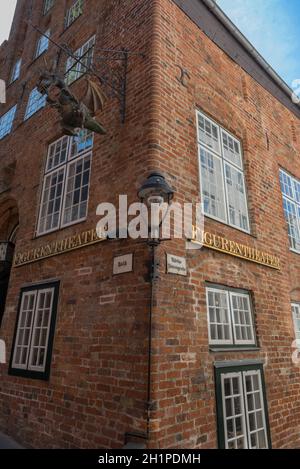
(155, 190)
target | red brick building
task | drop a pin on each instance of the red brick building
(97, 360)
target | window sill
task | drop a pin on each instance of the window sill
(11, 83)
(42, 235)
(240, 230)
(35, 59)
(236, 348)
(21, 373)
(294, 251)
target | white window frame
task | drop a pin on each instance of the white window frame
(65, 165)
(7, 122)
(15, 74)
(42, 43)
(34, 327)
(71, 162)
(30, 108)
(48, 4)
(224, 161)
(232, 293)
(24, 295)
(217, 341)
(78, 71)
(241, 375)
(296, 311)
(293, 201)
(237, 375)
(233, 341)
(70, 18)
(28, 366)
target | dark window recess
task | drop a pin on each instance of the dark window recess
(34, 332)
(242, 409)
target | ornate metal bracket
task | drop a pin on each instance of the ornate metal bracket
(112, 77)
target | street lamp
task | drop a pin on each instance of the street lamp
(155, 190)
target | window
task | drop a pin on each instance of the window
(6, 122)
(36, 101)
(85, 54)
(290, 188)
(16, 71)
(296, 319)
(66, 182)
(48, 4)
(74, 12)
(42, 44)
(241, 408)
(32, 348)
(230, 319)
(221, 175)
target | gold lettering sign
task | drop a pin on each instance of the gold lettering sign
(57, 247)
(218, 243)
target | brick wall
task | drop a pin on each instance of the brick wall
(97, 390)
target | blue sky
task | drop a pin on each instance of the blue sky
(273, 27)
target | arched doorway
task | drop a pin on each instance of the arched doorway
(9, 224)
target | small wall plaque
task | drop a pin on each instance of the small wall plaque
(176, 265)
(123, 264)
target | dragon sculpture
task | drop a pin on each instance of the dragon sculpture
(75, 114)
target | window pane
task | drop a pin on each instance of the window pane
(76, 196)
(292, 216)
(74, 12)
(286, 184)
(85, 54)
(242, 318)
(57, 153)
(36, 101)
(233, 411)
(24, 329)
(47, 5)
(213, 197)
(231, 149)
(255, 409)
(237, 205)
(221, 172)
(219, 317)
(16, 71)
(41, 329)
(43, 43)
(51, 201)
(296, 319)
(6, 122)
(208, 133)
(82, 142)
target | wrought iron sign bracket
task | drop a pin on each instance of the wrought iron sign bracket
(112, 78)
(114, 75)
